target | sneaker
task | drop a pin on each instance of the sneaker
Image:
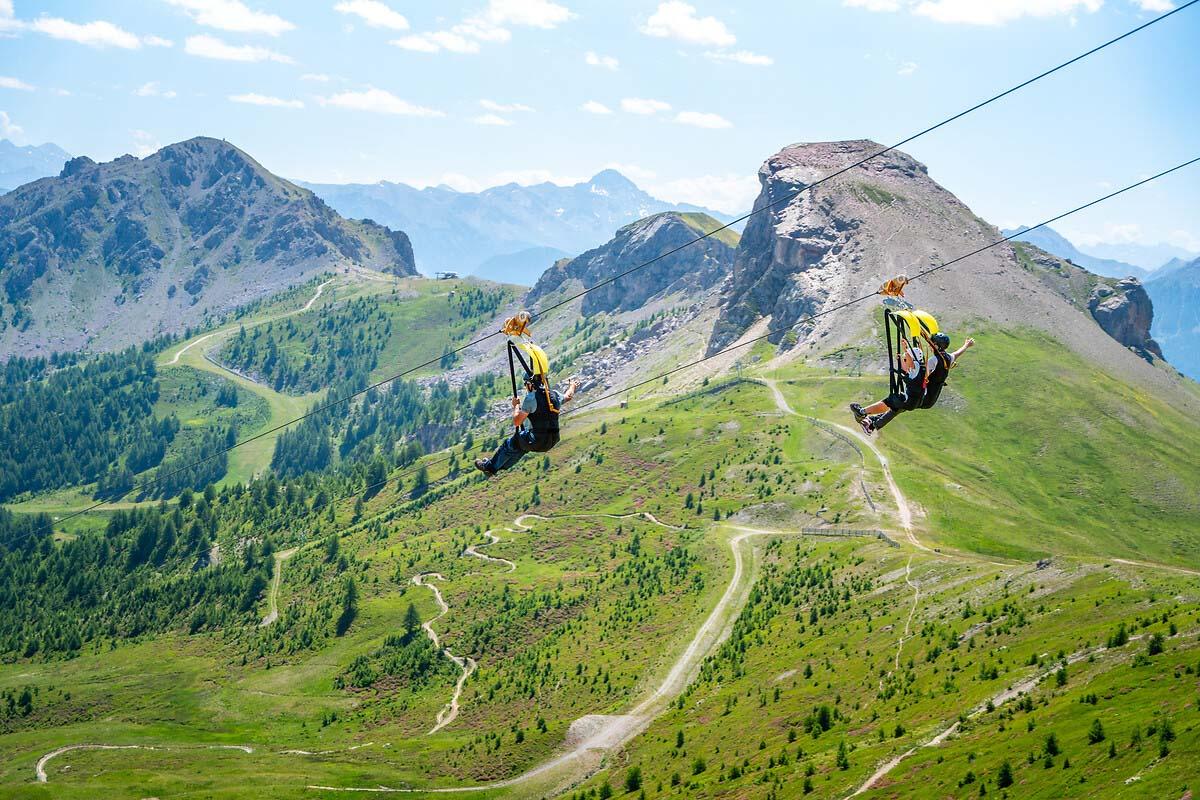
(867, 426)
(858, 411)
(481, 464)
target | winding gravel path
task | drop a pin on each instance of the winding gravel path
(448, 712)
(611, 732)
(316, 296)
(273, 592)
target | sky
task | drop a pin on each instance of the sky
(685, 98)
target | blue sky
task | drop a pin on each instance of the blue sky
(687, 98)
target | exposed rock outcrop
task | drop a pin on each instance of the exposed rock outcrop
(814, 251)
(798, 255)
(1125, 313)
(691, 269)
(108, 254)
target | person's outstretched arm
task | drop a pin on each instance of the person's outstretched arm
(967, 345)
(572, 386)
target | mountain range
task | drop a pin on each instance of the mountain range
(505, 232)
(713, 586)
(22, 164)
(1055, 243)
(1175, 290)
(105, 255)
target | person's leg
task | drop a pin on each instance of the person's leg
(880, 420)
(507, 455)
(861, 413)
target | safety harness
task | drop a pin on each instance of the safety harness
(543, 421)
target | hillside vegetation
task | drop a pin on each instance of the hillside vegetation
(843, 652)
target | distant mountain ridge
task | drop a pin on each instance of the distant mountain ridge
(1175, 290)
(106, 255)
(1149, 257)
(20, 165)
(1056, 244)
(690, 269)
(461, 231)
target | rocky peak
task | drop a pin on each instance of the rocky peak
(612, 181)
(1125, 313)
(694, 268)
(198, 227)
(76, 165)
(801, 250)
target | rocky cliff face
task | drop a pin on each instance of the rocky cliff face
(107, 254)
(802, 253)
(838, 242)
(691, 270)
(1125, 313)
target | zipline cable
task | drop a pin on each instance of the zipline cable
(813, 317)
(608, 281)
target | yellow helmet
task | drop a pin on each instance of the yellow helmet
(538, 362)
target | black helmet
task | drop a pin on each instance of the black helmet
(941, 341)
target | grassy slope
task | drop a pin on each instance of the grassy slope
(1031, 451)
(190, 693)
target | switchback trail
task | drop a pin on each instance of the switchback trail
(273, 592)
(316, 296)
(612, 732)
(466, 664)
(44, 760)
(903, 511)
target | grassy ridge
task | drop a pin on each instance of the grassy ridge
(1032, 451)
(589, 620)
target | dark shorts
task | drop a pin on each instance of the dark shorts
(905, 400)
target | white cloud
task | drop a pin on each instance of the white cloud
(152, 89)
(157, 41)
(92, 34)
(378, 101)
(675, 19)
(907, 68)
(437, 41)
(488, 26)
(315, 77)
(993, 12)
(144, 143)
(8, 128)
(732, 194)
(873, 5)
(233, 15)
(492, 119)
(255, 99)
(14, 83)
(374, 13)
(592, 107)
(1155, 6)
(504, 108)
(639, 105)
(605, 62)
(700, 119)
(740, 57)
(998, 12)
(530, 13)
(212, 47)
